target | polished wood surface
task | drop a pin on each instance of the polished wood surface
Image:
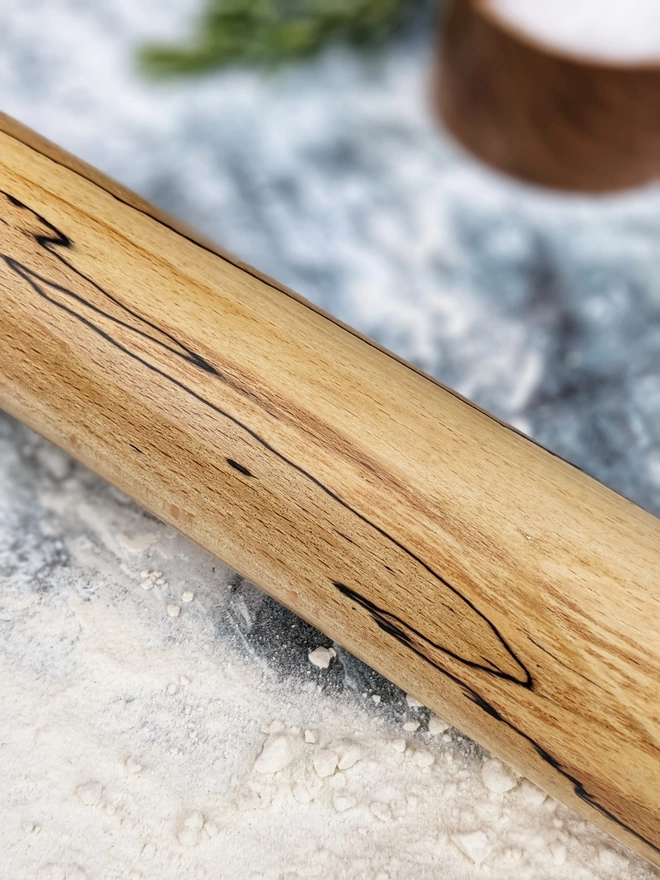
(500, 585)
(546, 117)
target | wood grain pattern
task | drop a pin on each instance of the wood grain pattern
(544, 116)
(500, 585)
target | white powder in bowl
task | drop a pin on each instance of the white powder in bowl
(625, 31)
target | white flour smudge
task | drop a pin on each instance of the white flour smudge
(135, 745)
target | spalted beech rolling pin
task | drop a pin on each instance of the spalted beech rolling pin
(501, 586)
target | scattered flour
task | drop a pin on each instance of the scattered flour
(533, 795)
(275, 755)
(325, 762)
(322, 657)
(496, 777)
(142, 751)
(437, 725)
(381, 811)
(423, 758)
(133, 766)
(190, 832)
(343, 802)
(348, 755)
(149, 579)
(90, 793)
(607, 29)
(475, 845)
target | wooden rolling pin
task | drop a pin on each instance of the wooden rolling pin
(500, 585)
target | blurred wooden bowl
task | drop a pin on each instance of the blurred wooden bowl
(543, 115)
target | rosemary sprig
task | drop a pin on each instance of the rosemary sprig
(268, 32)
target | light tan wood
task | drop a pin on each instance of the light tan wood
(504, 588)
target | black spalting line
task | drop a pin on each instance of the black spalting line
(388, 622)
(36, 281)
(399, 629)
(59, 239)
(391, 623)
(254, 274)
(239, 467)
(345, 537)
(136, 448)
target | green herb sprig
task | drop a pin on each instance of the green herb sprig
(268, 32)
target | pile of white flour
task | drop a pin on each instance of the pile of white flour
(136, 743)
(624, 32)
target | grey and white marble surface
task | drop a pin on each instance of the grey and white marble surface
(336, 178)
